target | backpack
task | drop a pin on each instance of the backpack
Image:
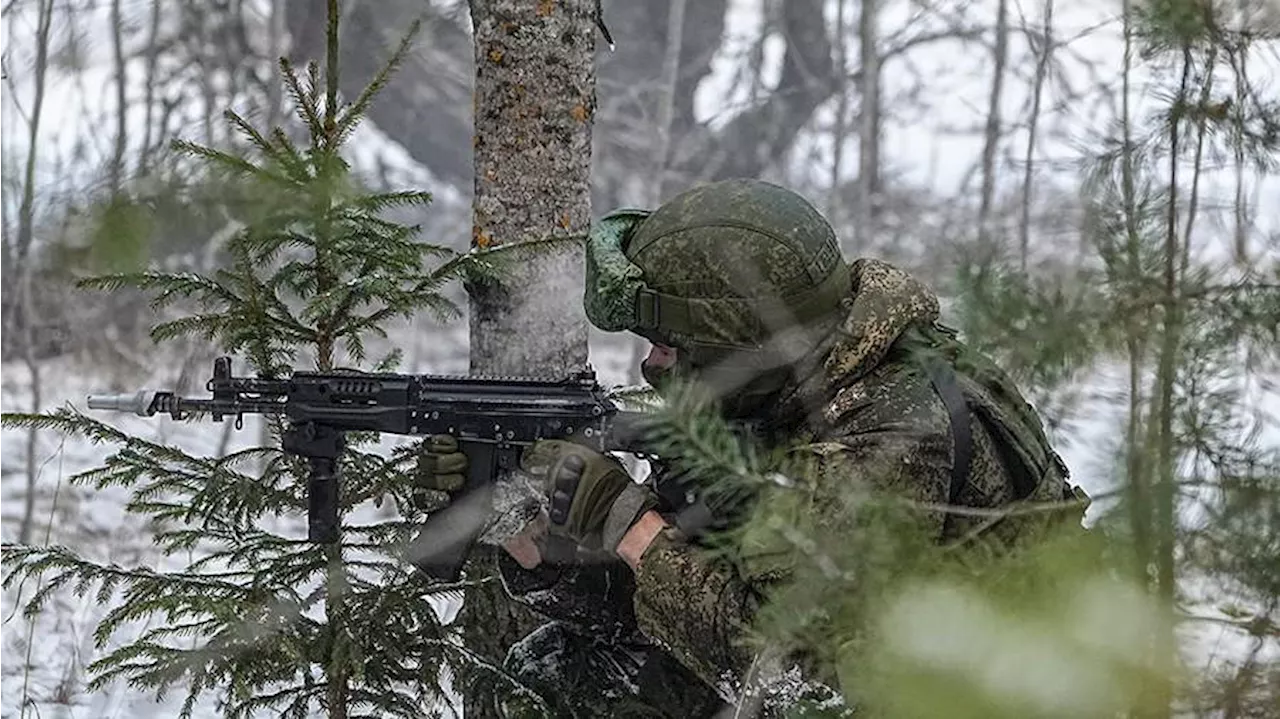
(971, 386)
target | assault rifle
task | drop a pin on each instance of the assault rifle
(493, 418)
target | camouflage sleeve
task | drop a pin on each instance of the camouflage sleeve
(696, 607)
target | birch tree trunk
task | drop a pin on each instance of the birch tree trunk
(534, 104)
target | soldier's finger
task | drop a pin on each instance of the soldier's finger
(449, 482)
(454, 463)
(442, 443)
(567, 475)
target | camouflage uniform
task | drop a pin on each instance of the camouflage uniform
(860, 396)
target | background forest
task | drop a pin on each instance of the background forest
(1090, 186)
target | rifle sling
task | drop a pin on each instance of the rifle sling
(943, 378)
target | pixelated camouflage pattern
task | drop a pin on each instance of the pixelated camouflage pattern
(885, 302)
(685, 246)
(871, 418)
(611, 279)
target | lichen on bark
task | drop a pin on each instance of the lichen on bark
(534, 102)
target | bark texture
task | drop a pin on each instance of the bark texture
(534, 103)
(534, 106)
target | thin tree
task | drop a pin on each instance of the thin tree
(1043, 45)
(151, 55)
(992, 133)
(121, 144)
(19, 311)
(662, 129)
(869, 130)
(838, 127)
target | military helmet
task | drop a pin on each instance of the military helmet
(726, 266)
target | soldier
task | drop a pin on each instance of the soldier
(742, 291)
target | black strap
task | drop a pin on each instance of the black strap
(689, 510)
(944, 382)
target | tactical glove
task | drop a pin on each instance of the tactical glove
(592, 499)
(442, 467)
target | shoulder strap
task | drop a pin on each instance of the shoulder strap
(943, 378)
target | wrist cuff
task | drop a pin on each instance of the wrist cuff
(626, 509)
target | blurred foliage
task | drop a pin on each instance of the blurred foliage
(1199, 483)
(1043, 332)
(122, 231)
(1051, 631)
(903, 626)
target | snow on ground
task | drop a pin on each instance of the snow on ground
(45, 658)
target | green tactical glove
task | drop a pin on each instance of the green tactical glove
(442, 467)
(592, 499)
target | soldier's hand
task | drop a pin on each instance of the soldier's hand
(442, 468)
(591, 500)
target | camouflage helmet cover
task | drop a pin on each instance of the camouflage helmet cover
(727, 264)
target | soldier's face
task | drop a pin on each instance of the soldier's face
(658, 364)
(661, 356)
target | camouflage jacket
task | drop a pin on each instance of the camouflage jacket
(870, 415)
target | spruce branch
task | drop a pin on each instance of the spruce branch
(225, 161)
(305, 103)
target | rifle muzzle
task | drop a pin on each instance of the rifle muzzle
(141, 403)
